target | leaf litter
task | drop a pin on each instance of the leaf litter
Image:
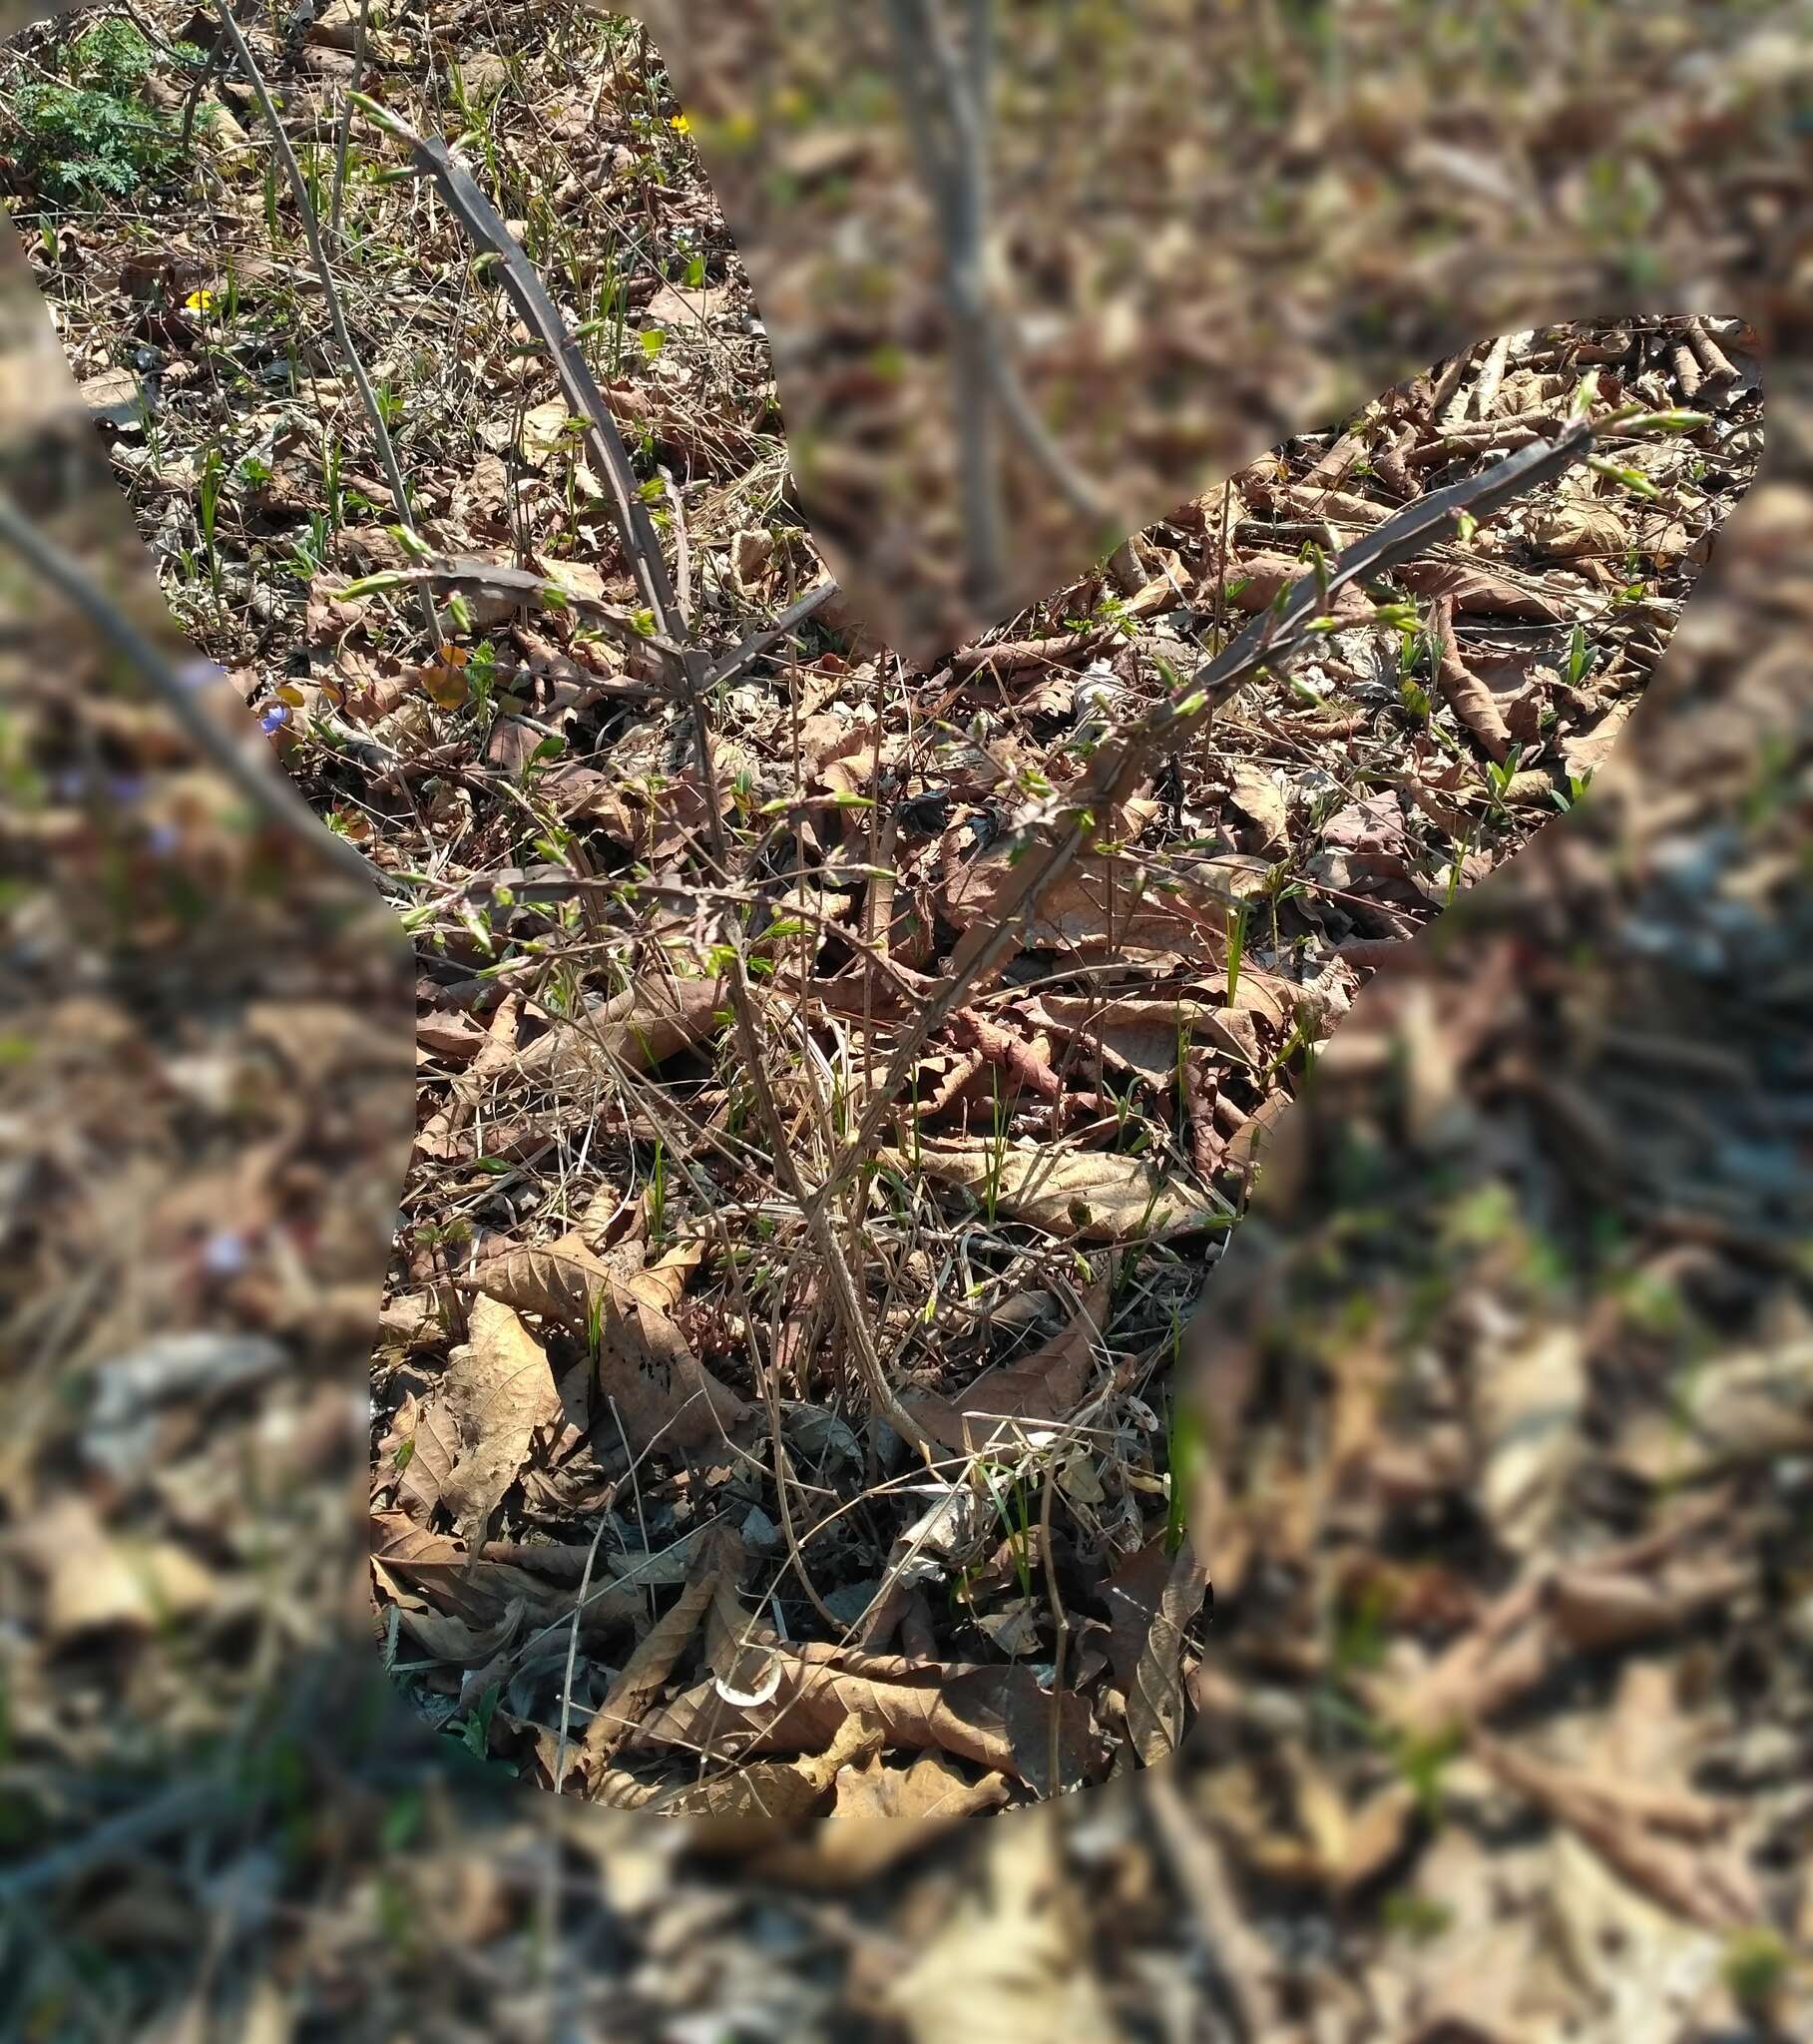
(1326, 823)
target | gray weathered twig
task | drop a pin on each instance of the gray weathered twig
(485, 227)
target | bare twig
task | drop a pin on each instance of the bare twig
(949, 117)
(950, 132)
(481, 221)
(728, 665)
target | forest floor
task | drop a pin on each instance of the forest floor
(679, 1501)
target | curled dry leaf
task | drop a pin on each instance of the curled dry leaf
(662, 1394)
(640, 1678)
(881, 1816)
(567, 1280)
(445, 1638)
(636, 1030)
(1094, 1196)
(1475, 589)
(479, 1589)
(1471, 700)
(745, 1807)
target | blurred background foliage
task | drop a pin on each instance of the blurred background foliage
(1205, 224)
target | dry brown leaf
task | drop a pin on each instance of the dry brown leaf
(433, 1444)
(1155, 1697)
(480, 1589)
(1473, 702)
(1577, 526)
(497, 1054)
(1257, 794)
(1474, 589)
(673, 306)
(1041, 1390)
(640, 1678)
(497, 1392)
(664, 1395)
(998, 1717)
(929, 1794)
(452, 1639)
(746, 1806)
(94, 1581)
(1096, 904)
(561, 1280)
(1015, 1963)
(1588, 752)
(544, 431)
(567, 1280)
(882, 1814)
(450, 1035)
(635, 1030)
(1095, 1195)
(1255, 580)
(1133, 1035)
